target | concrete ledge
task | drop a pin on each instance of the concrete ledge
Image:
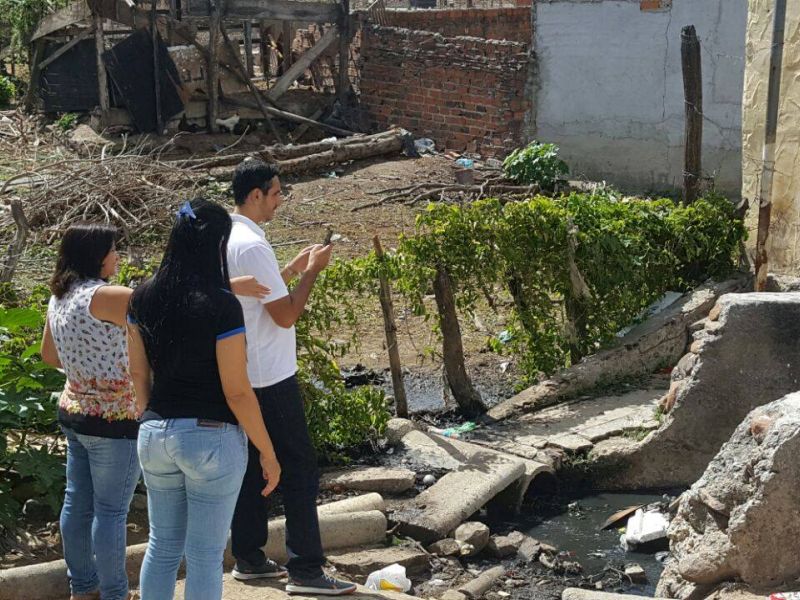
(580, 594)
(340, 527)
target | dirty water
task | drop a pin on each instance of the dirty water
(574, 528)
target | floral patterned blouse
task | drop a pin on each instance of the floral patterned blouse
(98, 398)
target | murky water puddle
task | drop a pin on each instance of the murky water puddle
(576, 530)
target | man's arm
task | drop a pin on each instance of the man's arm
(285, 311)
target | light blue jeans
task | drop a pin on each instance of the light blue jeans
(193, 475)
(101, 476)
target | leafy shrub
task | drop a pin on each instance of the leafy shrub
(20, 18)
(535, 164)
(577, 268)
(31, 461)
(8, 91)
(67, 121)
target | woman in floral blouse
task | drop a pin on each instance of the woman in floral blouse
(85, 335)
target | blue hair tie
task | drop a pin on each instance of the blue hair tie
(186, 211)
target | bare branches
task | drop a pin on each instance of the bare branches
(17, 246)
(438, 191)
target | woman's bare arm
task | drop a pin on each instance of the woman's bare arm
(139, 368)
(232, 362)
(48, 351)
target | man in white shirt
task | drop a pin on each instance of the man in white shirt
(271, 366)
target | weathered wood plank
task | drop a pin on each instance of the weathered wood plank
(283, 10)
(65, 48)
(69, 15)
(298, 68)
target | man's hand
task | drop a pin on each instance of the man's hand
(319, 257)
(300, 262)
(271, 471)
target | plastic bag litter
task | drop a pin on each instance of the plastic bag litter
(391, 578)
(455, 431)
(645, 527)
(466, 163)
(425, 146)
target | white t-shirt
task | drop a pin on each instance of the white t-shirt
(271, 349)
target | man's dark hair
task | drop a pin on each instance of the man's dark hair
(250, 174)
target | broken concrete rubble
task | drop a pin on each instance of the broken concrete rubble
(473, 533)
(660, 340)
(741, 519)
(477, 587)
(503, 546)
(363, 562)
(397, 428)
(749, 357)
(437, 511)
(370, 479)
(445, 547)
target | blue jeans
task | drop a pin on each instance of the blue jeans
(193, 474)
(101, 476)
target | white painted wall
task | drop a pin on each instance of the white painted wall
(609, 89)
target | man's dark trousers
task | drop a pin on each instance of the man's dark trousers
(282, 408)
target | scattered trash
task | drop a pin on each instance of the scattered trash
(332, 175)
(391, 578)
(455, 431)
(662, 556)
(428, 480)
(466, 163)
(644, 527)
(494, 163)
(505, 336)
(618, 516)
(504, 366)
(425, 146)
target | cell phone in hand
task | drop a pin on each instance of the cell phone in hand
(328, 237)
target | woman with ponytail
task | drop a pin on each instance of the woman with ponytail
(188, 365)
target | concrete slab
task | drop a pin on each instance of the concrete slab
(438, 510)
(570, 442)
(370, 479)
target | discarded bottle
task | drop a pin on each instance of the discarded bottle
(785, 596)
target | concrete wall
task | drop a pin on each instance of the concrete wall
(784, 241)
(609, 89)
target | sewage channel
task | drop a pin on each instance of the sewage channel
(574, 527)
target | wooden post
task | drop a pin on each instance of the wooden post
(102, 76)
(156, 68)
(17, 246)
(247, 32)
(287, 39)
(770, 137)
(33, 87)
(173, 15)
(249, 82)
(389, 327)
(345, 35)
(465, 394)
(693, 105)
(264, 48)
(214, 22)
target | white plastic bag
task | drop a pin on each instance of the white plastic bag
(645, 527)
(391, 578)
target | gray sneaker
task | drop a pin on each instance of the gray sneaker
(269, 569)
(324, 585)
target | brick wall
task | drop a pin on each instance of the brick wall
(465, 93)
(512, 24)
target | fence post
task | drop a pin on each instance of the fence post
(693, 106)
(390, 328)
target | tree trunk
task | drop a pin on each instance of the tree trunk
(468, 399)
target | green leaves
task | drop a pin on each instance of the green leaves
(576, 268)
(535, 164)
